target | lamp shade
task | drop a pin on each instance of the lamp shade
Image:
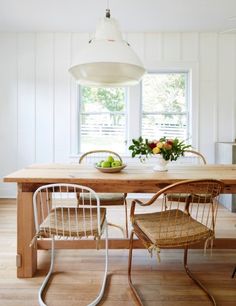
(107, 60)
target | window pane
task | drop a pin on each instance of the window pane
(95, 99)
(157, 126)
(102, 119)
(165, 107)
(164, 92)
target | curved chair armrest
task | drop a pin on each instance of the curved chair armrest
(133, 204)
(139, 202)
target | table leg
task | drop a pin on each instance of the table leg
(26, 255)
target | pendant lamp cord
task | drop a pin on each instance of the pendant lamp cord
(108, 13)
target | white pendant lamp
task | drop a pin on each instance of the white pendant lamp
(108, 60)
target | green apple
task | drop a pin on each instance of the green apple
(116, 163)
(110, 159)
(99, 164)
(106, 164)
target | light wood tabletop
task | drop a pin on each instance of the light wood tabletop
(132, 179)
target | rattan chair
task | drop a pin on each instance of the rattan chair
(107, 199)
(179, 224)
(57, 216)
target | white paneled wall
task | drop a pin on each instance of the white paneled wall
(38, 98)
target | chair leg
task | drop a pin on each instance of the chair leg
(126, 219)
(101, 293)
(135, 293)
(195, 279)
(41, 303)
(234, 272)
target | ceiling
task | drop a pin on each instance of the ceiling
(133, 15)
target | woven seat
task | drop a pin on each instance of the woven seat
(57, 216)
(106, 199)
(186, 218)
(171, 228)
(72, 222)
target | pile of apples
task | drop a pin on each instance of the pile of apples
(110, 162)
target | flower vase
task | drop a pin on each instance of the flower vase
(161, 165)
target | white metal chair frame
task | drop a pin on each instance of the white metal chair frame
(46, 217)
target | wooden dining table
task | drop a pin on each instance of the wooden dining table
(132, 179)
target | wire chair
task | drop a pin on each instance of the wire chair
(107, 199)
(197, 156)
(177, 224)
(57, 216)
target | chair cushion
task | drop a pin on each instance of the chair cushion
(105, 198)
(171, 228)
(65, 221)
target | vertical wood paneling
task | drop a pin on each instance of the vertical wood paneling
(208, 56)
(44, 98)
(8, 108)
(136, 41)
(78, 42)
(26, 99)
(153, 44)
(194, 104)
(207, 114)
(171, 46)
(227, 62)
(62, 98)
(208, 62)
(190, 46)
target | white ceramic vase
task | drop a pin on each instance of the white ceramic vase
(161, 164)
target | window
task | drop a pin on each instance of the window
(165, 105)
(159, 107)
(102, 119)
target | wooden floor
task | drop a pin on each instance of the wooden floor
(78, 273)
